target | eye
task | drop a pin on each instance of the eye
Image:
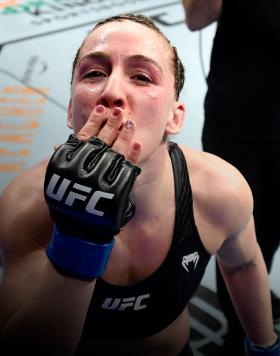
(95, 74)
(141, 77)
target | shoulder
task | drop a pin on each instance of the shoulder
(22, 207)
(26, 185)
(221, 194)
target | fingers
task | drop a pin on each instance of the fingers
(109, 128)
(133, 154)
(124, 145)
(94, 124)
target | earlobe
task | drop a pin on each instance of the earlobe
(69, 115)
(175, 123)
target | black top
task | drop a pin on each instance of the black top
(143, 309)
(243, 83)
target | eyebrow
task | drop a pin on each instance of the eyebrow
(101, 56)
(145, 59)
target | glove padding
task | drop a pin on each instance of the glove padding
(87, 187)
(254, 350)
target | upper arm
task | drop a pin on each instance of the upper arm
(240, 244)
(239, 248)
(201, 13)
(223, 208)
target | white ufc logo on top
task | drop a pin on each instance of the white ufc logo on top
(73, 195)
(123, 303)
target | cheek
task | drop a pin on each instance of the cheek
(83, 103)
(155, 113)
(151, 125)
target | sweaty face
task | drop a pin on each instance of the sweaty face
(128, 65)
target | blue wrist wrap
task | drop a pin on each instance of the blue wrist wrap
(254, 350)
(76, 257)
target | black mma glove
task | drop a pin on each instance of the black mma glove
(87, 187)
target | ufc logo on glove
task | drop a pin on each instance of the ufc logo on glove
(72, 195)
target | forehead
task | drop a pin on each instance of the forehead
(129, 38)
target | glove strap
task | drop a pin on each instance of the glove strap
(76, 257)
(254, 350)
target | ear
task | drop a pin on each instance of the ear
(69, 115)
(176, 121)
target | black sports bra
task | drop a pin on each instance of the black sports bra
(144, 309)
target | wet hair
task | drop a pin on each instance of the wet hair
(178, 68)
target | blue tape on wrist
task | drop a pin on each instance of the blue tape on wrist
(76, 257)
(254, 350)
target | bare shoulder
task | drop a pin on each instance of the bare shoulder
(221, 194)
(23, 211)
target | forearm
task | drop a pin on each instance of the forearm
(201, 13)
(249, 288)
(51, 320)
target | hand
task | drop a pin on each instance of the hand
(111, 129)
(87, 187)
(109, 126)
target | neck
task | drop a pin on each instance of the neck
(152, 187)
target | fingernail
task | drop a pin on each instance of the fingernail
(99, 109)
(129, 124)
(116, 111)
(136, 146)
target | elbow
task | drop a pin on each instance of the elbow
(195, 23)
(193, 26)
(197, 20)
(192, 22)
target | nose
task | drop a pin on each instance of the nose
(113, 93)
